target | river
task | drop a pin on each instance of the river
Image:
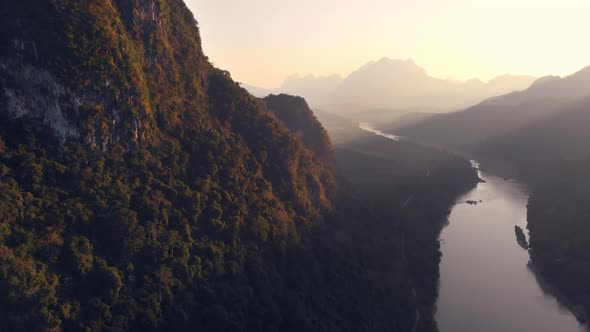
(485, 281)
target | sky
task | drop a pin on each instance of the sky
(263, 41)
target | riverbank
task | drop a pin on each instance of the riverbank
(416, 186)
(486, 284)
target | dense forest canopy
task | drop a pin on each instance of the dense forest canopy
(143, 189)
(299, 118)
(141, 186)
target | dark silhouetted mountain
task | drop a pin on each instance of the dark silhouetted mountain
(340, 129)
(543, 133)
(482, 125)
(418, 185)
(295, 114)
(553, 157)
(142, 189)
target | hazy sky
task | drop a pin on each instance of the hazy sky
(262, 41)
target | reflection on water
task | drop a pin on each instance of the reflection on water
(485, 284)
(371, 129)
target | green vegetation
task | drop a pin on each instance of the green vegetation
(181, 202)
(296, 115)
(414, 187)
(142, 189)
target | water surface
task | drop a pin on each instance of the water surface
(485, 282)
(367, 127)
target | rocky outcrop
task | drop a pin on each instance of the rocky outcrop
(31, 92)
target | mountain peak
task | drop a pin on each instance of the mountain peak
(582, 73)
(388, 66)
(544, 80)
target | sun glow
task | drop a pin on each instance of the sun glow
(262, 41)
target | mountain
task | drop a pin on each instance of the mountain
(402, 86)
(542, 133)
(296, 115)
(416, 186)
(258, 91)
(339, 128)
(143, 189)
(552, 156)
(484, 124)
(382, 90)
(318, 90)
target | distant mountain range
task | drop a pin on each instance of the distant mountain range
(317, 89)
(540, 136)
(552, 111)
(381, 90)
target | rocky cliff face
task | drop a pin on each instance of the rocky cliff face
(31, 92)
(141, 187)
(101, 66)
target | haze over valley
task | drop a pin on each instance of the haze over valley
(162, 170)
(382, 90)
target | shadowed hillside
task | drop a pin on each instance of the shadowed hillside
(511, 114)
(543, 134)
(143, 189)
(417, 186)
(300, 120)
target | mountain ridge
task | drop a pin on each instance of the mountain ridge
(146, 196)
(480, 124)
(394, 86)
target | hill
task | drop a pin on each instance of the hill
(295, 114)
(483, 124)
(143, 189)
(380, 91)
(416, 186)
(404, 86)
(542, 133)
(140, 195)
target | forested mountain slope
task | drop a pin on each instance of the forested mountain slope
(142, 189)
(543, 134)
(415, 186)
(553, 156)
(296, 115)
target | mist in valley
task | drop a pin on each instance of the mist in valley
(222, 165)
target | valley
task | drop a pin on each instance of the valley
(478, 242)
(144, 188)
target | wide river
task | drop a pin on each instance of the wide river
(486, 284)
